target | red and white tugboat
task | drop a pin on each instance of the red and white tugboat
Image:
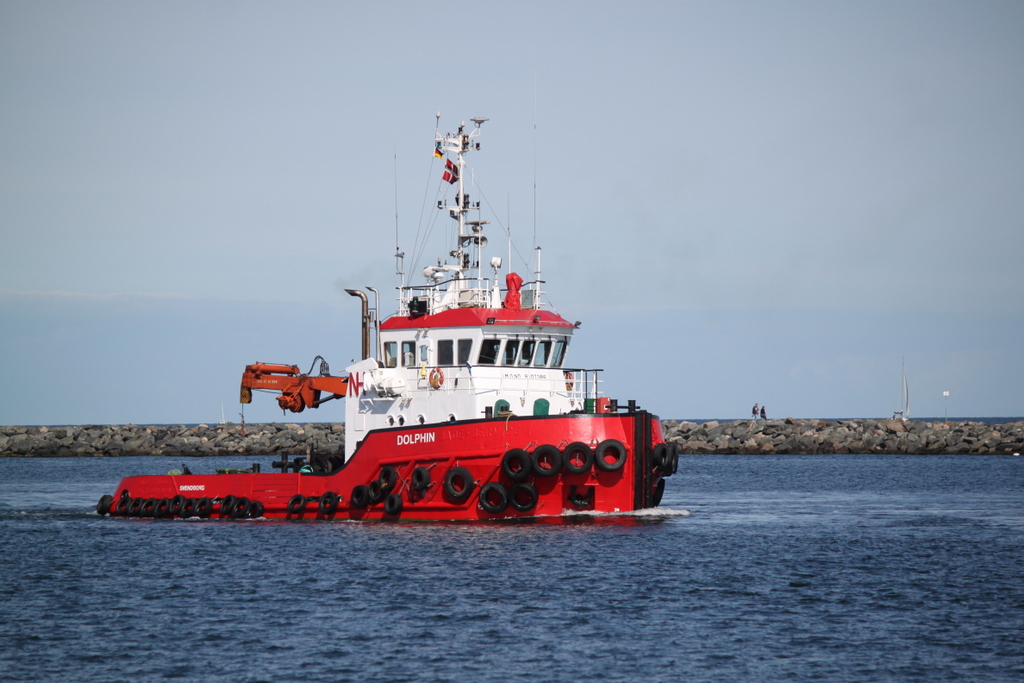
(463, 408)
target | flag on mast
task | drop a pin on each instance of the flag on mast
(437, 151)
(451, 172)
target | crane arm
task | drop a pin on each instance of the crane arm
(298, 390)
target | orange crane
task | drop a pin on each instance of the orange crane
(298, 390)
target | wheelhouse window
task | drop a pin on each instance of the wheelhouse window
(465, 349)
(489, 352)
(561, 345)
(511, 351)
(540, 359)
(445, 352)
(408, 354)
(390, 354)
(526, 356)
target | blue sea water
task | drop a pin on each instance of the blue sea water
(756, 568)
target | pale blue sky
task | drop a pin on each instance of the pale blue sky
(742, 202)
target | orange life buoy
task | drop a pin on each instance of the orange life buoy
(569, 381)
(436, 378)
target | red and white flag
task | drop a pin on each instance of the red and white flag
(451, 172)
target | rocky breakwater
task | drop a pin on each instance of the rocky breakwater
(227, 439)
(846, 436)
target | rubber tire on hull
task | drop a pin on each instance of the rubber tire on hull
(455, 491)
(162, 508)
(103, 506)
(547, 461)
(393, 505)
(517, 464)
(493, 497)
(388, 478)
(296, 504)
(659, 491)
(663, 457)
(618, 450)
(241, 508)
(328, 503)
(255, 509)
(227, 505)
(176, 504)
(135, 508)
(188, 508)
(577, 449)
(148, 506)
(204, 507)
(123, 506)
(360, 497)
(515, 497)
(420, 479)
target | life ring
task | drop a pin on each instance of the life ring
(436, 378)
(103, 506)
(458, 484)
(493, 498)
(420, 479)
(393, 505)
(577, 458)
(328, 503)
(296, 504)
(360, 496)
(547, 461)
(614, 448)
(523, 496)
(517, 464)
(570, 381)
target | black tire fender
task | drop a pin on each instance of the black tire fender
(296, 504)
(458, 484)
(393, 505)
(516, 464)
(493, 497)
(360, 497)
(241, 508)
(523, 497)
(227, 505)
(547, 461)
(420, 479)
(613, 448)
(388, 477)
(204, 507)
(256, 509)
(577, 450)
(104, 503)
(328, 503)
(176, 504)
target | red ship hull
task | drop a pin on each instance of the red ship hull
(500, 468)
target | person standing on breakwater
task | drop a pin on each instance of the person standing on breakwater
(753, 413)
(763, 415)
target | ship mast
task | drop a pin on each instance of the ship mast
(471, 239)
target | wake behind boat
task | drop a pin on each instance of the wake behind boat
(463, 407)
